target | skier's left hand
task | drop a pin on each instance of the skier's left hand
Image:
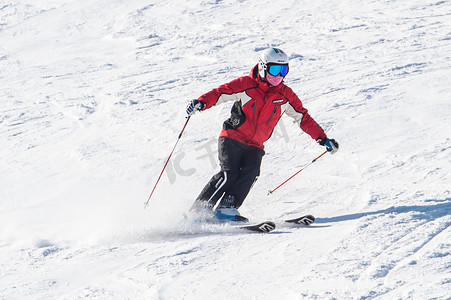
(331, 145)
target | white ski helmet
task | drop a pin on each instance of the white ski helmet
(271, 56)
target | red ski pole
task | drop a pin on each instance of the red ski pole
(167, 161)
(272, 191)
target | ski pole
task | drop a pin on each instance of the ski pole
(167, 161)
(272, 191)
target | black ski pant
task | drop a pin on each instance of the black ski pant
(240, 168)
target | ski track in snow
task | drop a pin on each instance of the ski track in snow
(93, 97)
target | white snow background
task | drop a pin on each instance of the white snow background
(92, 100)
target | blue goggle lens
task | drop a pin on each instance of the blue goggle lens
(275, 70)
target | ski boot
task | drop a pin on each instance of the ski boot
(226, 211)
(229, 214)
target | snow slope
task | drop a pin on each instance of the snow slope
(92, 101)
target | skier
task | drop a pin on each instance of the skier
(260, 99)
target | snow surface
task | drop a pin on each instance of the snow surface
(92, 101)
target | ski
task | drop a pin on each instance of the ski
(242, 224)
(263, 227)
(304, 220)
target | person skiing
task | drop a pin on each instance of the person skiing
(260, 99)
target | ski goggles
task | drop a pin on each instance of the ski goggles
(275, 70)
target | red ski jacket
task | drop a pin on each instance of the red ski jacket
(257, 109)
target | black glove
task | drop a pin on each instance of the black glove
(331, 145)
(194, 106)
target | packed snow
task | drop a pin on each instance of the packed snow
(93, 95)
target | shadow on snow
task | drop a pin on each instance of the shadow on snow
(438, 209)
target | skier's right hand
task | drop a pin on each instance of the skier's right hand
(194, 106)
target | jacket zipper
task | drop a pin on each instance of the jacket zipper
(255, 106)
(266, 95)
(264, 100)
(274, 111)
